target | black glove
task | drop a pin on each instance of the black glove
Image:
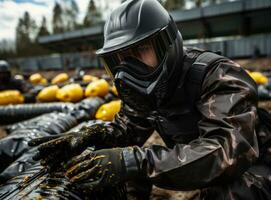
(95, 169)
(55, 149)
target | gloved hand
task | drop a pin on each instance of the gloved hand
(54, 149)
(95, 169)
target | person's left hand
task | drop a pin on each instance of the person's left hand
(92, 169)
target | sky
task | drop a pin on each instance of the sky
(12, 10)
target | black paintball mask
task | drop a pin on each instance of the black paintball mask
(142, 53)
(141, 72)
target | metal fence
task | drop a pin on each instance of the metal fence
(57, 62)
(258, 45)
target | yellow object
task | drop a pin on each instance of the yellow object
(114, 90)
(48, 94)
(263, 80)
(60, 78)
(108, 111)
(258, 77)
(35, 78)
(97, 88)
(11, 97)
(70, 93)
(89, 78)
(43, 81)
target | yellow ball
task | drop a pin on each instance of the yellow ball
(35, 78)
(60, 78)
(88, 78)
(43, 81)
(263, 80)
(108, 111)
(48, 94)
(11, 97)
(97, 88)
(258, 77)
(70, 93)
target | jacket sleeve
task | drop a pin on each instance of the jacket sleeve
(226, 147)
(128, 128)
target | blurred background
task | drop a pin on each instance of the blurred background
(42, 35)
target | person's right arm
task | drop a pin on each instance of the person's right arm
(128, 128)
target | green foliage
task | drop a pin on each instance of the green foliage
(27, 33)
(93, 15)
(58, 24)
(173, 4)
(70, 15)
(65, 14)
(43, 28)
(6, 54)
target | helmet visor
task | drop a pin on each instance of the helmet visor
(150, 52)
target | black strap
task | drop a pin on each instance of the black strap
(197, 72)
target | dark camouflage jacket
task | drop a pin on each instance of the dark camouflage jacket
(216, 152)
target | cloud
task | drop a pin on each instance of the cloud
(12, 10)
(39, 2)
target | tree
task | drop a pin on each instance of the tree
(26, 36)
(198, 3)
(19, 34)
(174, 4)
(70, 15)
(93, 15)
(7, 49)
(58, 25)
(65, 14)
(43, 28)
(26, 31)
(29, 26)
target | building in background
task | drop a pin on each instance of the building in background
(237, 29)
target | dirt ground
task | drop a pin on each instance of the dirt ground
(265, 104)
(257, 64)
(2, 132)
(160, 194)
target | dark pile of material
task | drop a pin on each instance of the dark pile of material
(36, 183)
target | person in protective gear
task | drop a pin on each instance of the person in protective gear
(7, 82)
(204, 106)
(5, 73)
